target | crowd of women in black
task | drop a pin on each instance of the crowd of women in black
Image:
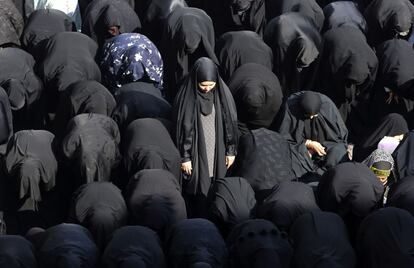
(207, 133)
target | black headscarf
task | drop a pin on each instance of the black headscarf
(231, 201)
(146, 144)
(403, 155)
(43, 24)
(189, 138)
(153, 197)
(6, 121)
(258, 244)
(240, 47)
(264, 160)
(288, 201)
(295, 44)
(350, 188)
(308, 9)
(134, 247)
(195, 243)
(30, 161)
(401, 194)
(82, 97)
(24, 88)
(68, 57)
(188, 35)
(103, 13)
(139, 100)
(65, 246)
(344, 13)
(15, 251)
(320, 240)
(352, 68)
(386, 239)
(11, 24)
(91, 146)
(386, 19)
(257, 94)
(100, 207)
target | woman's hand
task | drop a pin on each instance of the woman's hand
(186, 167)
(229, 160)
(316, 147)
(392, 97)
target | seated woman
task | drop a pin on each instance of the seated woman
(403, 155)
(317, 134)
(128, 58)
(401, 194)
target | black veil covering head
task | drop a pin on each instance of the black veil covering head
(11, 24)
(320, 240)
(403, 156)
(188, 138)
(134, 247)
(195, 243)
(154, 199)
(401, 194)
(257, 94)
(43, 24)
(236, 48)
(15, 251)
(101, 208)
(386, 239)
(64, 246)
(388, 19)
(258, 244)
(231, 202)
(344, 13)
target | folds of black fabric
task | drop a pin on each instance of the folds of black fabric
(148, 145)
(153, 197)
(43, 24)
(139, 100)
(64, 246)
(6, 121)
(195, 242)
(296, 45)
(264, 160)
(15, 251)
(90, 147)
(341, 13)
(288, 201)
(385, 239)
(236, 48)
(257, 94)
(68, 57)
(401, 194)
(308, 9)
(320, 239)
(31, 164)
(100, 14)
(134, 247)
(403, 156)
(188, 35)
(23, 87)
(231, 15)
(258, 244)
(231, 201)
(350, 189)
(101, 208)
(11, 24)
(387, 19)
(82, 97)
(351, 71)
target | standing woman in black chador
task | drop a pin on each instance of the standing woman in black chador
(206, 133)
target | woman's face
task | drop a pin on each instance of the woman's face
(383, 179)
(206, 86)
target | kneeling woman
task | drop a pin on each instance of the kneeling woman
(206, 130)
(317, 134)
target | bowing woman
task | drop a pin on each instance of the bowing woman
(206, 130)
